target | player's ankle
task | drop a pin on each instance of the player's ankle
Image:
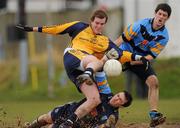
(89, 71)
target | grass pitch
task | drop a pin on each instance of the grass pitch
(14, 114)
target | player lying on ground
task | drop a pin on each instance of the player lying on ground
(105, 114)
(109, 106)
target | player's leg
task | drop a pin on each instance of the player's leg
(89, 90)
(50, 118)
(39, 122)
(153, 92)
(93, 99)
(149, 76)
(74, 68)
(153, 97)
(89, 64)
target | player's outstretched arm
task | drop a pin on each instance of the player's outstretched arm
(26, 28)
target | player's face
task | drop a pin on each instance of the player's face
(118, 100)
(160, 19)
(97, 25)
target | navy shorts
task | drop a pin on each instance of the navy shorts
(140, 71)
(71, 63)
(60, 111)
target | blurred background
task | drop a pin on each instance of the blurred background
(31, 65)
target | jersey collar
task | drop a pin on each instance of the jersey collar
(160, 29)
(89, 29)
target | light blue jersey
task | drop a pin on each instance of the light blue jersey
(142, 39)
(102, 83)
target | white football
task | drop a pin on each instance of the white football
(112, 67)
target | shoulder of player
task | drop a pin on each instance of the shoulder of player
(145, 21)
(166, 33)
(79, 24)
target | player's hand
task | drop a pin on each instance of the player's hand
(112, 54)
(24, 28)
(145, 62)
(126, 66)
(110, 123)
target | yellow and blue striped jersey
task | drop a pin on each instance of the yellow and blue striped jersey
(142, 39)
(84, 40)
(82, 36)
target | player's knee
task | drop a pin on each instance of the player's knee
(152, 81)
(90, 58)
(95, 101)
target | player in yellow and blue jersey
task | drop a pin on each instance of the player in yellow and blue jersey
(82, 58)
(147, 37)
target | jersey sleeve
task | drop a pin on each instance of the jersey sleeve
(131, 31)
(158, 47)
(114, 46)
(123, 56)
(126, 57)
(71, 28)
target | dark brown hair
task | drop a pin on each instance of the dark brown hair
(165, 7)
(128, 98)
(100, 14)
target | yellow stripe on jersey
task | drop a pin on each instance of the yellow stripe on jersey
(157, 49)
(56, 29)
(159, 46)
(129, 33)
(126, 57)
(132, 33)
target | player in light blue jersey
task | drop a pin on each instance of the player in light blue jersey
(148, 37)
(142, 39)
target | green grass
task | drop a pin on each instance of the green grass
(138, 112)
(26, 110)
